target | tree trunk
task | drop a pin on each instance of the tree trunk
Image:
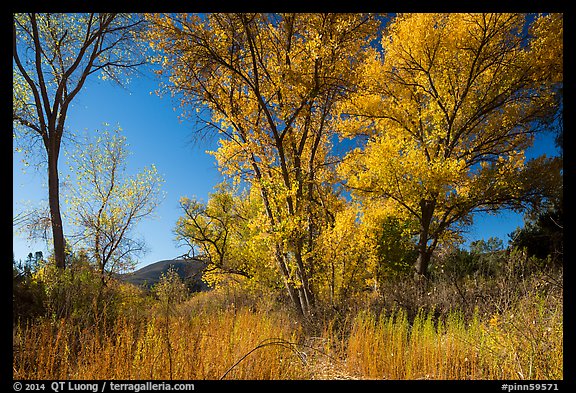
(306, 292)
(293, 292)
(422, 262)
(54, 203)
(424, 252)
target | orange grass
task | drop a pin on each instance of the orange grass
(199, 347)
(523, 343)
(209, 342)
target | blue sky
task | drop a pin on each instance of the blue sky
(156, 136)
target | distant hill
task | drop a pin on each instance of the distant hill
(189, 270)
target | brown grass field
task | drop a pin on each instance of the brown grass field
(215, 335)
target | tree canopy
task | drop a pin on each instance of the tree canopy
(449, 108)
(53, 55)
(440, 108)
(105, 204)
(270, 83)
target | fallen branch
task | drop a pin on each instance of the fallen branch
(281, 342)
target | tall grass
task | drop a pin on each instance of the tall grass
(201, 347)
(388, 347)
(523, 343)
(228, 334)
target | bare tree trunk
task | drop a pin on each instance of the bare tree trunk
(424, 252)
(307, 297)
(423, 261)
(292, 291)
(54, 203)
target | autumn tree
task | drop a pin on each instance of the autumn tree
(106, 203)
(53, 55)
(269, 83)
(347, 257)
(226, 233)
(448, 109)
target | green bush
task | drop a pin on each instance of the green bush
(396, 252)
(28, 294)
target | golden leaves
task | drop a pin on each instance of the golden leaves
(549, 33)
(447, 96)
(449, 108)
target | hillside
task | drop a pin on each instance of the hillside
(189, 270)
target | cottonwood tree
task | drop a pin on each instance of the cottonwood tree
(347, 258)
(106, 204)
(53, 55)
(226, 232)
(269, 83)
(449, 109)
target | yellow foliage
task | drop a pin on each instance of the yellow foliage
(450, 107)
(105, 203)
(345, 257)
(271, 84)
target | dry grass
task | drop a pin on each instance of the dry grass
(523, 343)
(198, 347)
(229, 335)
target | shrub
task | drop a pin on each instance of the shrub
(28, 294)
